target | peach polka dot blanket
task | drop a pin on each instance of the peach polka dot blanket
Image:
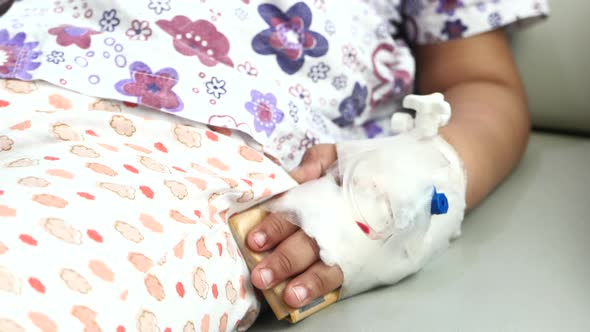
(113, 216)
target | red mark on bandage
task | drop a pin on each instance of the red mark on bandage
(363, 227)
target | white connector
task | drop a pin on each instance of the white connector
(432, 113)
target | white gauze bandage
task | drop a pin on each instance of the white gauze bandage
(389, 204)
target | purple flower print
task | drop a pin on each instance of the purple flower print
(69, 34)
(293, 111)
(302, 93)
(56, 57)
(265, 111)
(152, 89)
(454, 29)
(403, 83)
(216, 87)
(198, 38)
(289, 36)
(139, 30)
(318, 72)
(352, 106)
(109, 20)
(308, 141)
(481, 6)
(414, 7)
(159, 6)
(17, 56)
(372, 129)
(449, 6)
(495, 20)
(339, 82)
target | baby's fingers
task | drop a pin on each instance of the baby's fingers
(272, 230)
(319, 280)
(293, 256)
(316, 161)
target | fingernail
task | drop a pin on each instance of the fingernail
(259, 238)
(300, 293)
(266, 276)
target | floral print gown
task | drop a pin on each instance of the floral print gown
(288, 73)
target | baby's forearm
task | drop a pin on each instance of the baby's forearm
(489, 130)
(490, 122)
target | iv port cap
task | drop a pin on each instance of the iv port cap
(439, 204)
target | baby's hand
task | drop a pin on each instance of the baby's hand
(295, 254)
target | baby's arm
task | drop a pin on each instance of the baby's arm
(490, 124)
(489, 129)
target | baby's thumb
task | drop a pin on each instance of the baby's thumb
(315, 162)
